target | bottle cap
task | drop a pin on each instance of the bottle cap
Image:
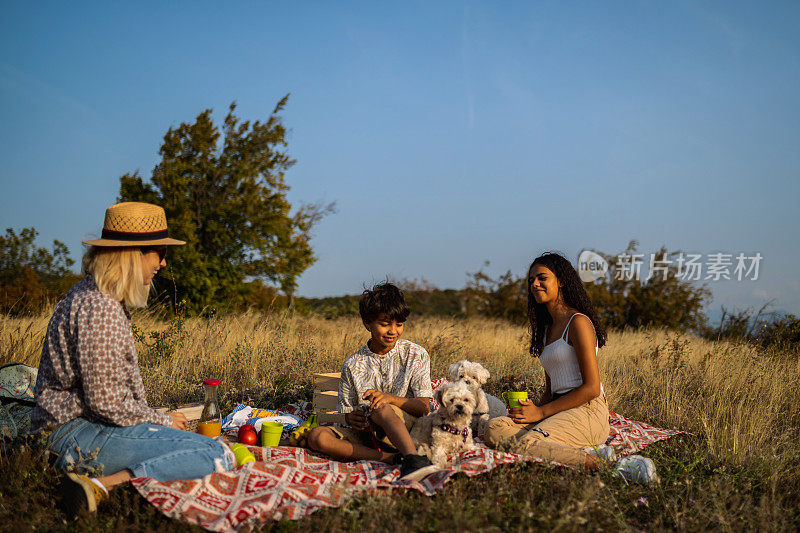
(212, 381)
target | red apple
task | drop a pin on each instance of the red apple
(247, 435)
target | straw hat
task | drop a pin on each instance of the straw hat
(134, 224)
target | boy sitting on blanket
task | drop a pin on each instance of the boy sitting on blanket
(384, 387)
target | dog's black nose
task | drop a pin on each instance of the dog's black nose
(459, 408)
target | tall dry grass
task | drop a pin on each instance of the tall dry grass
(741, 402)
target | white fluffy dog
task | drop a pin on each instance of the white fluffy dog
(474, 375)
(447, 430)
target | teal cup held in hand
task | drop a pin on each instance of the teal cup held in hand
(512, 398)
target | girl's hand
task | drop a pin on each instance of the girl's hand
(378, 399)
(528, 413)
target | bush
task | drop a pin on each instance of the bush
(31, 277)
(781, 333)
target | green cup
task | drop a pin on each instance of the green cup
(512, 398)
(242, 454)
(271, 433)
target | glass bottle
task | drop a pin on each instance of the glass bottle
(210, 423)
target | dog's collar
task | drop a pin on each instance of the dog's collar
(450, 429)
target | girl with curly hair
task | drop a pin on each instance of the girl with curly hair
(565, 335)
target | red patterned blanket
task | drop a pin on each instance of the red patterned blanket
(292, 483)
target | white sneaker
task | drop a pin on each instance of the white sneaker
(637, 469)
(604, 452)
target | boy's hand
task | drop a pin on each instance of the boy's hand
(357, 419)
(378, 399)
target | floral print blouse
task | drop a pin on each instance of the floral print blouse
(89, 367)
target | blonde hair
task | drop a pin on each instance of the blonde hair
(117, 271)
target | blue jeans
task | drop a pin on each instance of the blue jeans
(148, 450)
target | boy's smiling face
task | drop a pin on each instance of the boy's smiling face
(385, 331)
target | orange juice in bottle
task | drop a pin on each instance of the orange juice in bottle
(210, 423)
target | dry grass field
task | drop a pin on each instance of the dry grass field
(739, 469)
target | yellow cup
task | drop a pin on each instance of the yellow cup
(512, 398)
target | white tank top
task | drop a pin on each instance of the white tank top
(561, 362)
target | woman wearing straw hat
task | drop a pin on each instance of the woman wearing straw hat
(89, 390)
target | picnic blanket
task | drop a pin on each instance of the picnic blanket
(291, 483)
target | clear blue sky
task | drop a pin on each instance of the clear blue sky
(448, 133)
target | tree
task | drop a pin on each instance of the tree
(663, 300)
(504, 297)
(227, 200)
(30, 276)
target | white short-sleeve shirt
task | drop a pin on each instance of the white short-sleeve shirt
(404, 371)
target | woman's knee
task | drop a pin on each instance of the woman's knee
(220, 456)
(497, 429)
(199, 444)
(189, 458)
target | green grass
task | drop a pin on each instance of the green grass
(695, 493)
(740, 470)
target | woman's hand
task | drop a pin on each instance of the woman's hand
(528, 413)
(179, 420)
(357, 420)
(378, 399)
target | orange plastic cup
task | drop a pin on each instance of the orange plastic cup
(212, 428)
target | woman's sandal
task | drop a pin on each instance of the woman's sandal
(78, 492)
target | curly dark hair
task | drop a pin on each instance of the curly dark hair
(574, 295)
(384, 299)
